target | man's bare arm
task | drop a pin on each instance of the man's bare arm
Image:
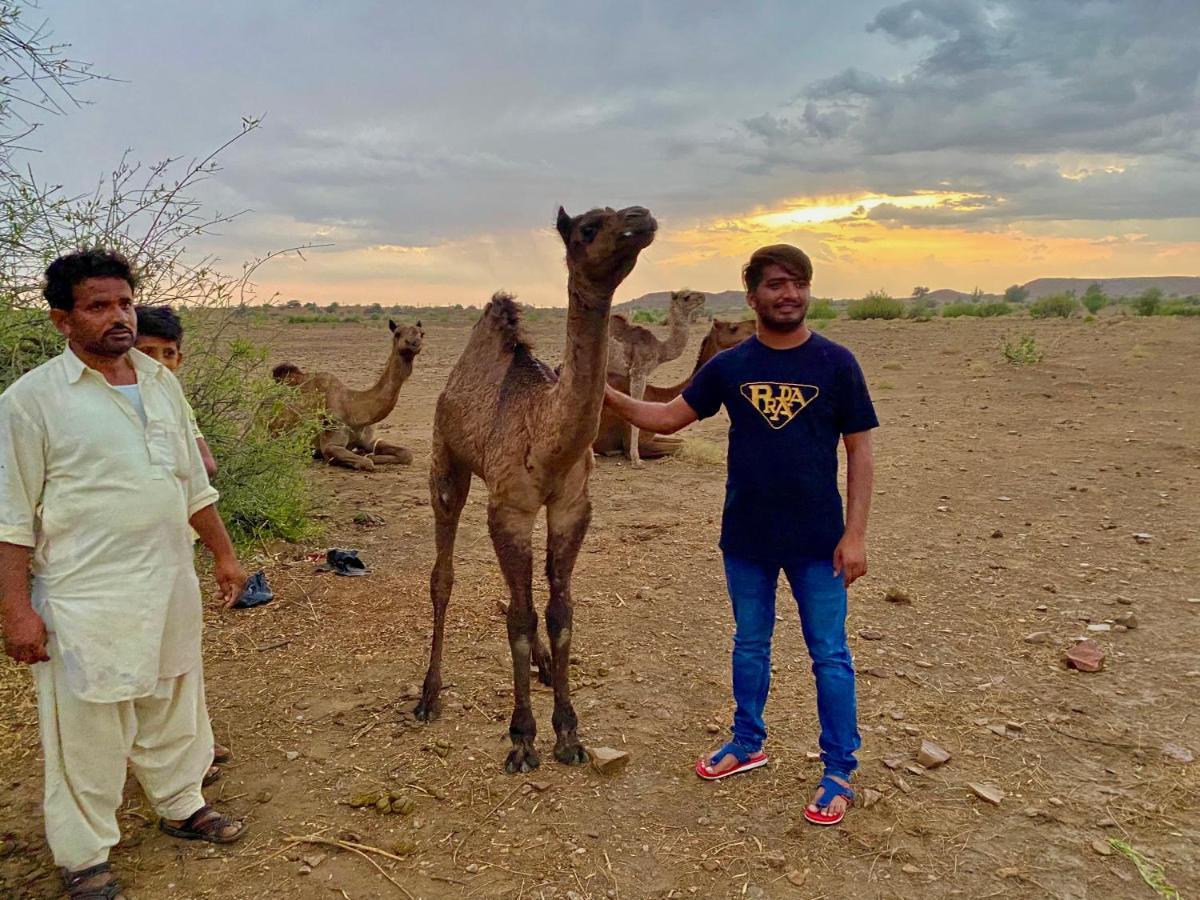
(660, 418)
(850, 557)
(24, 630)
(230, 575)
(210, 463)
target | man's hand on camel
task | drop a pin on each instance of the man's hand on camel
(25, 636)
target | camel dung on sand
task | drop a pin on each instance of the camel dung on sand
(634, 351)
(507, 417)
(347, 437)
(614, 431)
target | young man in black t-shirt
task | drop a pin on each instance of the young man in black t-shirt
(791, 395)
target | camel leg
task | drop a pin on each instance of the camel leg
(511, 530)
(637, 390)
(386, 452)
(334, 448)
(449, 484)
(381, 451)
(566, 525)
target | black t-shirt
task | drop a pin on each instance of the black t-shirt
(787, 411)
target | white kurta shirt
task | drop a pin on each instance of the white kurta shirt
(104, 501)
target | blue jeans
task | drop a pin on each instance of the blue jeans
(821, 598)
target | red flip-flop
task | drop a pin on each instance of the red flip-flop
(831, 790)
(745, 762)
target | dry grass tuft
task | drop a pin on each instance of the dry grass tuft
(18, 714)
(699, 452)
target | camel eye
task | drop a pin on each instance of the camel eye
(588, 232)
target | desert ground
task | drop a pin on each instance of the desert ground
(1006, 505)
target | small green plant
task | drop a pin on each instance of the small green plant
(1094, 299)
(1016, 294)
(876, 305)
(649, 317)
(822, 309)
(1022, 351)
(1054, 306)
(1151, 873)
(977, 310)
(1147, 303)
(922, 309)
(1179, 308)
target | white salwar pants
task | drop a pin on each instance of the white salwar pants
(166, 739)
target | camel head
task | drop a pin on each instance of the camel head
(406, 339)
(286, 373)
(603, 245)
(689, 303)
(730, 334)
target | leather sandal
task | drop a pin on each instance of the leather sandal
(205, 824)
(77, 884)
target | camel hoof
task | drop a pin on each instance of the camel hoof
(521, 760)
(571, 754)
(426, 711)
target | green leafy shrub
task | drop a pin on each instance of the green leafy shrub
(260, 473)
(876, 305)
(1022, 351)
(957, 310)
(148, 215)
(1094, 299)
(1180, 308)
(649, 317)
(821, 310)
(921, 309)
(1148, 302)
(1060, 306)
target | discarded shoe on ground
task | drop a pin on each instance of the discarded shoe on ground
(255, 593)
(343, 562)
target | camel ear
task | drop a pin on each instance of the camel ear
(564, 225)
(392, 325)
(418, 323)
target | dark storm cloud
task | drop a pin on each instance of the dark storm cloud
(1001, 96)
(415, 124)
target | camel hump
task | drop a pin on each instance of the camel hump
(503, 316)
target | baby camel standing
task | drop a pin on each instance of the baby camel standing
(506, 417)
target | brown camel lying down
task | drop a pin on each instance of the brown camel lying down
(349, 416)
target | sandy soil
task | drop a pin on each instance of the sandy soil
(1007, 502)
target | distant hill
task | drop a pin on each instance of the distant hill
(1170, 285)
(949, 295)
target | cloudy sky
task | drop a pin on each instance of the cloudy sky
(948, 143)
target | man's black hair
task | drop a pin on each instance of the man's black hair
(159, 322)
(68, 270)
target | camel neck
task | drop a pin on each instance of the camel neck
(580, 389)
(380, 398)
(677, 338)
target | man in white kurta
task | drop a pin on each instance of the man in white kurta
(98, 483)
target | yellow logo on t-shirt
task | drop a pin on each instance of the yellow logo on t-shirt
(777, 402)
